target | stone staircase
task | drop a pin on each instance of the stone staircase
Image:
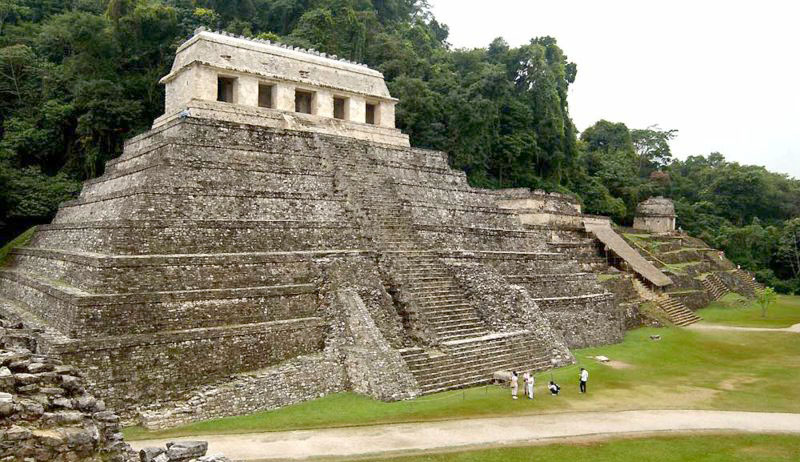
(438, 297)
(714, 286)
(464, 353)
(470, 362)
(747, 279)
(677, 312)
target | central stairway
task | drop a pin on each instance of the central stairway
(438, 297)
(463, 352)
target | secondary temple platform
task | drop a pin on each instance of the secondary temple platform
(245, 253)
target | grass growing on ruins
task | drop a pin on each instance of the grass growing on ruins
(680, 268)
(18, 241)
(686, 369)
(705, 447)
(733, 310)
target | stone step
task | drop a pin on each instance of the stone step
(463, 380)
(423, 270)
(442, 313)
(448, 335)
(462, 335)
(449, 308)
(473, 329)
(431, 278)
(467, 319)
(678, 313)
(456, 324)
(428, 277)
(471, 383)
(438, 295)
(429, 297)
(460, 347)
(477, 349)
(425, 274)
(422, 288)
(439, 291)
(483, 362)
(432, 267)
(446, 306)
(446, 372)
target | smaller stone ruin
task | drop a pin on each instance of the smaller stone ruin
(46, 414)
(656, 215)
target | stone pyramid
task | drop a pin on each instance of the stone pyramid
(223, 265)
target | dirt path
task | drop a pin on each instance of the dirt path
(795, 328)
(399, 438)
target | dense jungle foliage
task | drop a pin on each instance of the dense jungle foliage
(78, 77)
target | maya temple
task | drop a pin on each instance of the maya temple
(274, 238)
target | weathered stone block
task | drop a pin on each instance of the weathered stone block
(184, 450)
(149, 454)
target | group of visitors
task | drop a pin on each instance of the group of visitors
(554, 388)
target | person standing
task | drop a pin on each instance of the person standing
(529, 382)
(514, 384)
(584, 379)
(526, 377)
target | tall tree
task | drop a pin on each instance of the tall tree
(652, 146)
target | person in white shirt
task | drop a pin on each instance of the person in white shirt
(514, 384)
(584, 379)
(530, 380)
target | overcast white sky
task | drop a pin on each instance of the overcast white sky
(726, 74)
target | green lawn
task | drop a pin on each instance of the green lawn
(696, 448)
(686, 369)
(733, 310)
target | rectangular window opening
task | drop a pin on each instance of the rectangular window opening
(302, 101)
(339, 105)
(370, 114)
(265, 95)
(225, 89)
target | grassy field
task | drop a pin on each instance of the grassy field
(699, 448)
(686, 369)
(733, 310)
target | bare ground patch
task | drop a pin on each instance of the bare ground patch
(734, 383)
(618, 364)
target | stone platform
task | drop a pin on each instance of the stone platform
(212, 254)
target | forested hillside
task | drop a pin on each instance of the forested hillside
(78, 77)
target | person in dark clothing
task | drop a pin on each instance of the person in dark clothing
(554, 388)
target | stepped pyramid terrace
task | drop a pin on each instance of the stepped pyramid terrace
(273, 238)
